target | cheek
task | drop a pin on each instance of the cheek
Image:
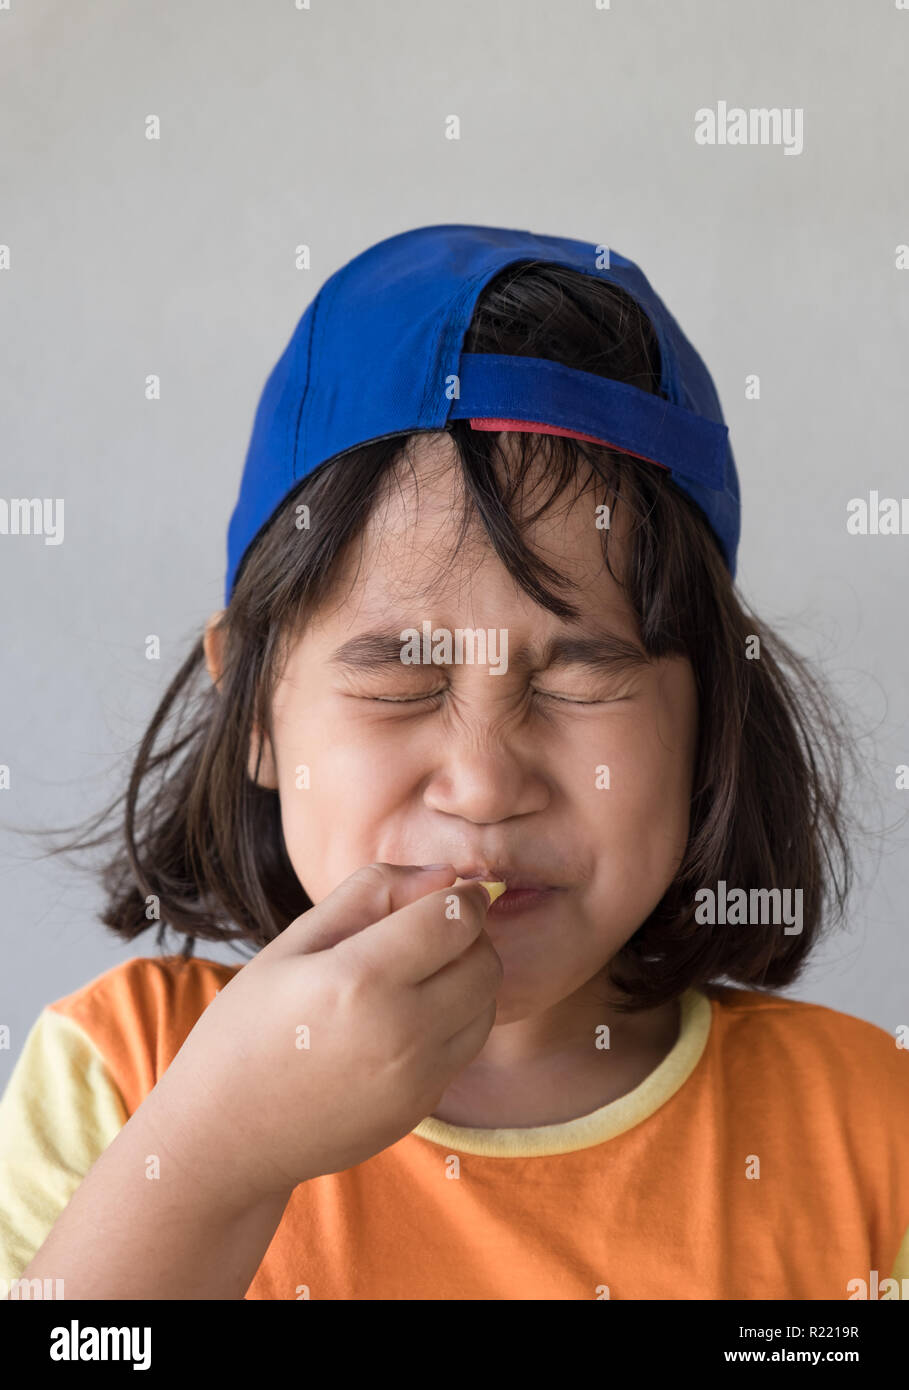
(643, 817)
(336, 790)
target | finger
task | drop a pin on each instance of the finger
(366, 896)
(465, 988)
(417, 940)
(464, 1045)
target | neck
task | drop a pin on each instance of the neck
(536, 1071)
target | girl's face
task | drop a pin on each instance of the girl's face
(498, 774)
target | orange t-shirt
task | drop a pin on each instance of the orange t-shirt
(767, 1156)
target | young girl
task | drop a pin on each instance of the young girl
(587, 1086)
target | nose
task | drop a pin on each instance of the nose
(483, 784)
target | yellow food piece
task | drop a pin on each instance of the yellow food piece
(495, 890)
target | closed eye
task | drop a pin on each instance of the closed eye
(543, 694)
(564, 699)
(404, 699)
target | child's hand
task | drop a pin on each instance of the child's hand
(338, 1037)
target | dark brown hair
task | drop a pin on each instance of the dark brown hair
(197, 836)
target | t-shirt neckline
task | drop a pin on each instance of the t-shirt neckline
(608, 1121)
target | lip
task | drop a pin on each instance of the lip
(515, 901)
(516, 880)
(523, 892)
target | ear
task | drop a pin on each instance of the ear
(213, 644)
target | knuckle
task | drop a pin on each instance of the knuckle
(352, 972)
(378, 879)
(372, 874)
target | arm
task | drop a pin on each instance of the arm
(126, 1234)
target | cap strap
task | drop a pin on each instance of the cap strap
(535, 394)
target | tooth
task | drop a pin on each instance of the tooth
(495, 890)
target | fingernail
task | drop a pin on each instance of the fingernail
(427, 868)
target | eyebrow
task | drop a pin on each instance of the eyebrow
(595, 650)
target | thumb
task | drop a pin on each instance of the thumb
(366, 896)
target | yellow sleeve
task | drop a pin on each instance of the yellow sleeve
(59, 1112)
(901, 1263)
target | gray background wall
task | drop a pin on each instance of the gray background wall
(327, 127)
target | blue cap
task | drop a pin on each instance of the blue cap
(378, 353)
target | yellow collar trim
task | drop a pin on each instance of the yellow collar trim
(612, 1119)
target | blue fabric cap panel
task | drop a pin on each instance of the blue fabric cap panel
(376, 350)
